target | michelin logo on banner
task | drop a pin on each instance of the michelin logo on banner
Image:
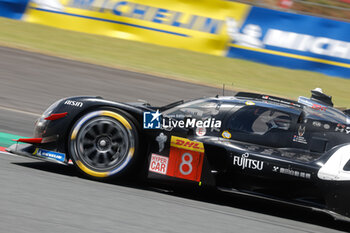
(283, 34)
(194, 25)
(164, 16)
(251, 36)
(53, 5)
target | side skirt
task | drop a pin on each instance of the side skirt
(336, 216)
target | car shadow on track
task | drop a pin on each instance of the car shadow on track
(49, 167)
(209, 196)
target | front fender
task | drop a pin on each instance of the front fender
(54, 132)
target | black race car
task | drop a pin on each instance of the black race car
(259, 145)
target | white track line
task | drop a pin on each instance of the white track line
(7, 153)
(20, 111)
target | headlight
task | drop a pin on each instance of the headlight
(41, 123)
(50, 109)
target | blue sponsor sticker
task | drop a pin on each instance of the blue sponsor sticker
(50, 154)
(151, 120)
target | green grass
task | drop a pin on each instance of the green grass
(170, 62)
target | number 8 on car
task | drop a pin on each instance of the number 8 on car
(185, 159)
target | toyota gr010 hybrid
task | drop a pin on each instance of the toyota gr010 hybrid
(264, 146)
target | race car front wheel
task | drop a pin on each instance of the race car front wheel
(103, 143)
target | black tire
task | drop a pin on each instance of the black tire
(104, 143)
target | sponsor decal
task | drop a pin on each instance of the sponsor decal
(319, 107)
(281, 101)
(226, 134)
(291, 172)
(275, 168)
(158, 164)
(268, 151)
(347, 130)
(288, 154)
(185, 159)
(151, 120)
(187, 144)
(244, 161)
(311, 104)
(215, 129)
(305, 101)
(342, 128)
(300, 137)
(161, 139)
(249, 102)
(301, 131)
(326, 126)
(73, 103)
(50, 154)
(201, 131)
(193, 112)
(316, 124)
(253, 148)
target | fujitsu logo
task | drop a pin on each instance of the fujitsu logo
(245, 162)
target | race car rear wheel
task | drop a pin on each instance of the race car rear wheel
(103, 143)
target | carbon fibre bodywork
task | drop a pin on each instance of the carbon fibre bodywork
(265, 146)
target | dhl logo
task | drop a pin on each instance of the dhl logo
(319, 107)
(187, 144)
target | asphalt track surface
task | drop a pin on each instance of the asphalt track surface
(38, 196)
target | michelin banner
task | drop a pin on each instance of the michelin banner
(216, 27)
(13, 9)
(292, 41)
(189, 24)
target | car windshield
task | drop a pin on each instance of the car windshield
(259, 120)
(199, 109)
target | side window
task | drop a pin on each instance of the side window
(258, 120)
(347, 166)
